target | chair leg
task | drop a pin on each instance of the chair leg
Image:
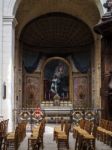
(67, 145)
(76, 143)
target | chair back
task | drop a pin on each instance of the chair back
(62, 124)
(88, 126)
(67, 128)
(82, 123)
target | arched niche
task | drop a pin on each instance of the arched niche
(56, 79)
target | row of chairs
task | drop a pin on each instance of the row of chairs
(13, 139)
(35, 141)
(61, 135)
(85, 135)
(3, 132)
(104, 131)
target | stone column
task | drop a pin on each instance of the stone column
(9, 24)
(97, 75)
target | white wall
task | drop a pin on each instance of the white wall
(1, 55)
(8, 68)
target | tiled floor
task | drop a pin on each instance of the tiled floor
(49, 144)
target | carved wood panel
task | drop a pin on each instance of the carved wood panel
(105, 74)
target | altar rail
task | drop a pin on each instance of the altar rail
(90, 114)
(55, 114)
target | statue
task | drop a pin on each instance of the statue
(108, 14)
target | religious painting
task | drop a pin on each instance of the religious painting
(56, 80)
(31, 91)
(81, 91)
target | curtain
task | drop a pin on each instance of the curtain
(30, 60)
(82, 61)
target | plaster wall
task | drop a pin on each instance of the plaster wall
(1, 50)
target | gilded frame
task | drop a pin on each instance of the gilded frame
(70, 76)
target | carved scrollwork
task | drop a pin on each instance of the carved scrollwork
(89, 115)
(24, 115)
(77, 116)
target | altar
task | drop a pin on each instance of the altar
(56, 113)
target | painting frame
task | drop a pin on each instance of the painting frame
(70, 97)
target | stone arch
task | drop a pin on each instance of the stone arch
(79, 11)
(14, 4)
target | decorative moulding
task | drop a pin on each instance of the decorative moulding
(10, 20)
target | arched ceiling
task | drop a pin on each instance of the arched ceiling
(86, 10)
(56, 30)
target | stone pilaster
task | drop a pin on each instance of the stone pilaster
(9, 24)
(1, 10)
(97, 75)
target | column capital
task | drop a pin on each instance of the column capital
(8, 20)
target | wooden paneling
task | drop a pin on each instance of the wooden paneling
(105, 76)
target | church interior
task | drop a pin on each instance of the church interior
(62, 77)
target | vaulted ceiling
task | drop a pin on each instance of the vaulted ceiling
(57, 24)
(56, 30)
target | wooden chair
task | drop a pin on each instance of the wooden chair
(109, 134)
(36, 139)
(12, 140)
(84, 137)
(87, 140)
(3, 133)
(106, 133)
(62, 137)
(76, 129)
(58, 129)
(101, 129)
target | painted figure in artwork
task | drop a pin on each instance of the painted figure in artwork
(56, 83)
(108, 14)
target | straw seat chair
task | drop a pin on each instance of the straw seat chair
(62, 137)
